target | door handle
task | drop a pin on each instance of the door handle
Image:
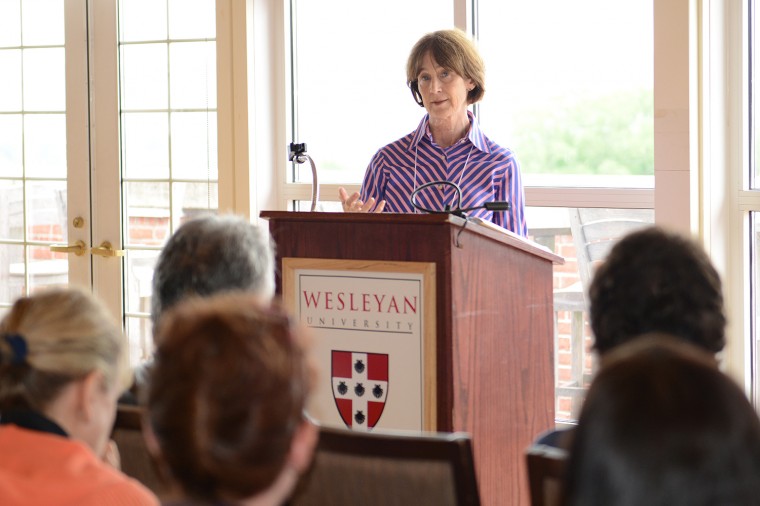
(78, 248)
(106, 250)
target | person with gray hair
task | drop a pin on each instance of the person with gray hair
(209, 255)
(205, 256)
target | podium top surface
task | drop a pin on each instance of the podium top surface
(486, 229)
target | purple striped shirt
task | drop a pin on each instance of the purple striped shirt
(483, 170)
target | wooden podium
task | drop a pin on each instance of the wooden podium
(494, 366)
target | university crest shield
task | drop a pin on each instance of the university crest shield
(360, 387)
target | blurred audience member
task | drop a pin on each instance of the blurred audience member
(662, 426)
(226, 398)
(62, 366)
(209, 255)
(653, 280)
(657, 281)
(205, 256)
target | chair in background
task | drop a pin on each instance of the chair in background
(386, 469)
(546, 467)
(136, 461)
(594, 232)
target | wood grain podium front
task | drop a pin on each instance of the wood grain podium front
(493, 324)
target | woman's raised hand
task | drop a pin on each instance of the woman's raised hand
(353, 204)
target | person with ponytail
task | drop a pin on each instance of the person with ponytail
(63, 364)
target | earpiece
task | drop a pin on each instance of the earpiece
(416, 93)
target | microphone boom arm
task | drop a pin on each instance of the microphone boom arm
(297, 153)
(494, 206)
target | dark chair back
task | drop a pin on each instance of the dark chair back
(546, 468)
(136, 461)
(389, 468)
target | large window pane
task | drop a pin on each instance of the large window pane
(135, 25)
(44, 79)
(10, 84)
(12, 273)
(145, 145)
(192, 19)
(168, 137)
(194, 149)
(33, 164)
(47, 269)
(45, 145)
(580, 101)
(11, 142)
(193, 71)
(46, 211)
(141, 340)
(42, 22)
(144, 76)
(12, 210)
(366, 79)
(193, 199)
(139, 265)
(10, 13)
(147, 208)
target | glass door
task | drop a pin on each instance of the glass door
(107, 144)
(168, 137)
(44, 227)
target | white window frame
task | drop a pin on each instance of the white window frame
(726, 200)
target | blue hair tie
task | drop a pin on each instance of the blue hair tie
(18, 347)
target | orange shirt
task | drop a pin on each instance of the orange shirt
(38, 468)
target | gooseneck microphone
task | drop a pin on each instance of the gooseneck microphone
(297, 153)
(495, 206)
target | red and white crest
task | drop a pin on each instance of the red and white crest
(360, 387)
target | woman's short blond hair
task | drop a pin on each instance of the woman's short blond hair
(52, 338)
(453, 50)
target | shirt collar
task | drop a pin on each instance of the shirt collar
(31, 420)
(475, 135)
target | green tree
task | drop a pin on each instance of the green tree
(611, 135)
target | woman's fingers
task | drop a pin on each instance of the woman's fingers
(367, 206)
(342, 195)
(354, 204)
(351, 203)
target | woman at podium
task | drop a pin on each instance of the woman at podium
(445, 74)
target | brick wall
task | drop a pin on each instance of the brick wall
(566, 276)
(148, 231)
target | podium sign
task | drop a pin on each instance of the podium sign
(486, 315)
(374, 339)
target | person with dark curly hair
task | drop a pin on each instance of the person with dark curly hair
(226, 401)
(653, 280)
(663, 426)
